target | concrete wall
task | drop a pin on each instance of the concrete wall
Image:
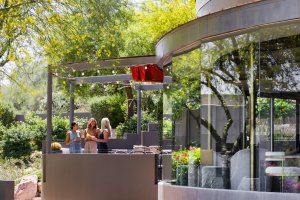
(100, 177)
(167, 191)
(6, 190)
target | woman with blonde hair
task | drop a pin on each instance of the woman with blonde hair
(90, 134)
(103, 136)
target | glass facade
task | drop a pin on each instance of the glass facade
(237, 98)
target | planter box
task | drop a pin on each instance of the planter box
(7, 190)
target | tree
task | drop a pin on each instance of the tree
(17, 20)
(152, 20)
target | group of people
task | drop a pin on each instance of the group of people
(95, 138)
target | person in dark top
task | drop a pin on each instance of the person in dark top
(103, 136)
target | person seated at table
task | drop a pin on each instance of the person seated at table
(103, 136)
(90, 134)
(73, 139)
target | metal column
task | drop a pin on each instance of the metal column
(49, 112)
(298, 125)
(272, 124)
(244, 117)
(139, 113)
(71, 102)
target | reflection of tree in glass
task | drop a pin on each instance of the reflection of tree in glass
(226, 67)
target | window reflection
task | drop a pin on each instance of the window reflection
(238, 98)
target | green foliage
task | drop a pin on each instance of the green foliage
(3, 130)
(7, 115)
(60, 127)
(86, 30)
(82, 122)
(152, 21)
(60, 103)
(179, 157)
(16, 142)
(108, 106)
(185, 157)
(14, 169)
(283, 108)
(167, 128)
(37, 129)
(130, 125)
(185, 89)
(194, 155)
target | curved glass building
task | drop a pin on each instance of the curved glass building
(236, 95)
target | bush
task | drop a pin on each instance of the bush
(60, 127)
(7, 115)
(130, 125)
(16, 142)
(3, 130)
(37, 128)
(108, 106)
(167, 128)
(82, 122)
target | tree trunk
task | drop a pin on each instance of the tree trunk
(130, 102)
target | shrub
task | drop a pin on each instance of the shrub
(60, 127)
(16, 142)
(7, 115)
(108, 106)
(130, 125)
(55, 146)
(82, 122)
(3, 130)
(37, 128)
(15, 169)
(167, 128)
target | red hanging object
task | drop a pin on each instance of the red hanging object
(135, 73)
(147, 73)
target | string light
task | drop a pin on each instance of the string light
(82, 73)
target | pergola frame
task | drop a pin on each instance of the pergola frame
(111, 63)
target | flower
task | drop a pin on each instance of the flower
(180, 157)
(185, 156)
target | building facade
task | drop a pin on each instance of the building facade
(236, 92)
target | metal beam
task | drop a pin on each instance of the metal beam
(298, 125)
(109, 79)
(272, 108)
(103, 79)
(109, 63)
(150, 87)
(49, 112)
(139, 113)
(71, 102)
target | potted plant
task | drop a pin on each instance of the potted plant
(194, 167)
(180, 166)
(56, 147)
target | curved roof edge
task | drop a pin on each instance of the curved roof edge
(205, 7)
(218, 25)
